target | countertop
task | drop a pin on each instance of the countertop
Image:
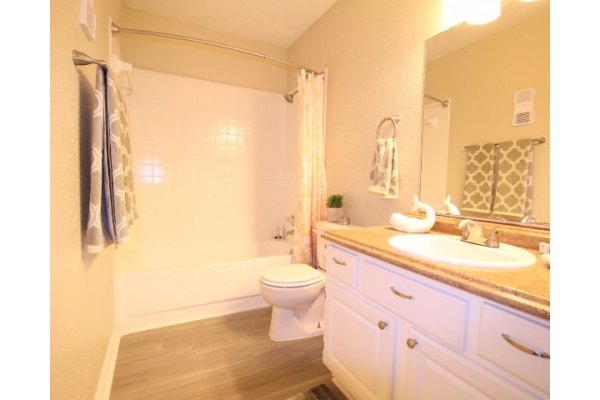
(525, 289)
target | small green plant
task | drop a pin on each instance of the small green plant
(335, 201)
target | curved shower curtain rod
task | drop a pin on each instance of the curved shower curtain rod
(115, 29)
(444, 103)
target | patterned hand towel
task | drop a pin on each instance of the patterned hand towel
(479, 179)
(112, 202)
(384, 171)
(515, 179)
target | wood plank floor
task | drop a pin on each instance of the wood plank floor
(223, 358)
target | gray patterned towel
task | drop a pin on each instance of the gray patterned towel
(112, 201)
(479, 179)
(514, 182)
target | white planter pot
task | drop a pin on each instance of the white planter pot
(334, 214)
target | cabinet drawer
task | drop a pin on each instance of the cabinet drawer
(342, 265)
(441, 314)
(498, 328)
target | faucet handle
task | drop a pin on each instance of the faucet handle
(492, 239)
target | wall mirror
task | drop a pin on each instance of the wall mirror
(486, 118)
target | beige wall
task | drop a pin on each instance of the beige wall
(374, 52)
(198, 61)
(480, 80)
(81, 286)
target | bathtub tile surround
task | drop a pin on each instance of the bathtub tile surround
(211, 162)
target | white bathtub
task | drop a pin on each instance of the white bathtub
(169, 287)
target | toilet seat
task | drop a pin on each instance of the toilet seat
(291, 276)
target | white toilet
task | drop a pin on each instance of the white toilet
(297, 293)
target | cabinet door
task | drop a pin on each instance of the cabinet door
(359, 344)
(436, 372)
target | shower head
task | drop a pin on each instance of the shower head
(290, 96)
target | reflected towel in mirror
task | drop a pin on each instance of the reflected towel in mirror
(514, 181)
(479, 179)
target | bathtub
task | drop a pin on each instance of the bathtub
(165, 287)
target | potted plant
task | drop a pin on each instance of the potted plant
(334, 207)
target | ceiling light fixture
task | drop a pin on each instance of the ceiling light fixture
(479, 12)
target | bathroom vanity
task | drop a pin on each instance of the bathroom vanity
(399, 327)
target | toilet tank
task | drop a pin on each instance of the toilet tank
(319, 228)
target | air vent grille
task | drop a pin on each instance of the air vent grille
(522, 118)
(523, 107)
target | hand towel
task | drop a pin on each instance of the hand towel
(515, 179)
(112, 200)
(479, 179)
(384, 170)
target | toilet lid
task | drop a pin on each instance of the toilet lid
(293, 275)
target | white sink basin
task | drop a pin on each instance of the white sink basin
(450, 249)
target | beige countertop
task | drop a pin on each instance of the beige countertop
(524, 289)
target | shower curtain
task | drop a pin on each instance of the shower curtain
(312, 182)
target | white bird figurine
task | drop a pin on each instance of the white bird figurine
(402, 223)
(452, 209)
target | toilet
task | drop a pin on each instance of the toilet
(297, 293)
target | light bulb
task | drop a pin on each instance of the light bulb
(480, 12)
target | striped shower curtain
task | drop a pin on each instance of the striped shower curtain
(312, 182)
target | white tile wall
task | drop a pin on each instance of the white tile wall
(212, 162)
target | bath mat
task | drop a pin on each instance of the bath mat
(321, 392)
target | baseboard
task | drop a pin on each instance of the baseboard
(340, 385)
(108, 367)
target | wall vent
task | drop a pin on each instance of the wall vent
(523, 107)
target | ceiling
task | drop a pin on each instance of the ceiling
(277, 22)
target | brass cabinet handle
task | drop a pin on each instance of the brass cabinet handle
(382, 325)
(411, 343)
(525, 349)
(335, 260)
(404, 296)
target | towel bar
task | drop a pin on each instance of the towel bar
(80, 58)
(540, 140)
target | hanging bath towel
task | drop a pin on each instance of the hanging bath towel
(112, 201)
(384, 171)
(479, 179)
(515, 179)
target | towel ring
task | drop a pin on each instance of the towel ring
(393, 119)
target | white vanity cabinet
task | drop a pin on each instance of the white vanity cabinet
(394, 334)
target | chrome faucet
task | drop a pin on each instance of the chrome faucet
(472, 232)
